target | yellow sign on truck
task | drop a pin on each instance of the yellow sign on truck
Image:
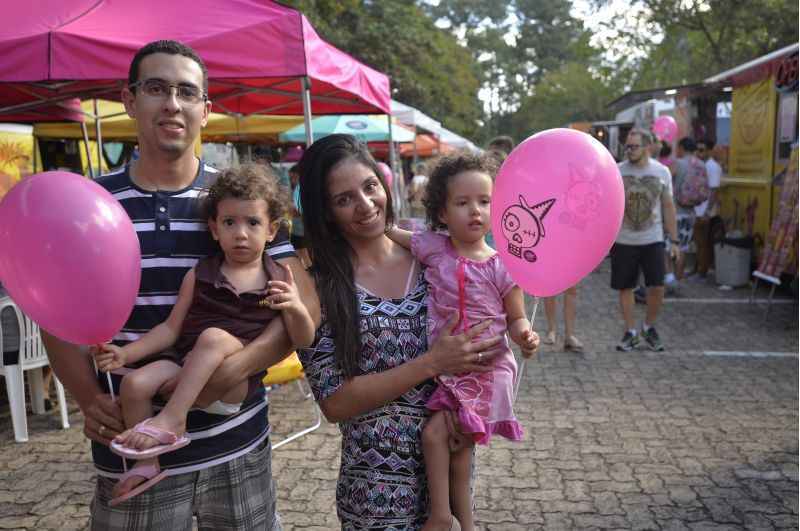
(763, 131)
(16, 154)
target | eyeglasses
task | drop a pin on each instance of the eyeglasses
(631, 147)
(158, 88)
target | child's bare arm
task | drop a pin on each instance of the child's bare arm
(519, 328)
(299, 326)
(284, 296)
(400, 237)
(108, 357)
(164, 335)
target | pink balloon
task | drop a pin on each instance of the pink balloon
(386, 171)
(556, 209)
(70, 256)
(665, 128)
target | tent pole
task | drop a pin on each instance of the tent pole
(86, 147)
(416, 155)
(99, 138)
(307, 110)
(393, 166)
(35, 157)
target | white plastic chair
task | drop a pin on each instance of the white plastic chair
(32, 355)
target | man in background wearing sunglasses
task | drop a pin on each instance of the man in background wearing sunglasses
(640, 243)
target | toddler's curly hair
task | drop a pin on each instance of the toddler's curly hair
(248, 182)
(443, 171)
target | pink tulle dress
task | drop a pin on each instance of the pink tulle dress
(483, 402)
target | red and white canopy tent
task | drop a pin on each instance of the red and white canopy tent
(262, 57)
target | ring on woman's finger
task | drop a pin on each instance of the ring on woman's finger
(101, 430)
(480, 357)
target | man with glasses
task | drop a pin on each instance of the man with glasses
(706, 210)
(640, 243)
(224, 475)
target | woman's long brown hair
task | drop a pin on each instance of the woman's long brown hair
(332, 257)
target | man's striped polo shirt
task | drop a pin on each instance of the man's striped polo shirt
(173, 237)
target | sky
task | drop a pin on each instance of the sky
(616, 13)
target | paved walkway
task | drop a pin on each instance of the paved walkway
(703, 436)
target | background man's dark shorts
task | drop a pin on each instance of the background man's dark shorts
(627, 260)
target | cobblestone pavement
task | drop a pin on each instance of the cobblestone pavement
(702, 436)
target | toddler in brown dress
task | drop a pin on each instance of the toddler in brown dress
(224, 302)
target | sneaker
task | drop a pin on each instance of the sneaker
(653, 341)
(629, 342)
(672, 289)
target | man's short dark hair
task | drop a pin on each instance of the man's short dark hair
(666, 149)
(707, 142)
(644, 135)
(687, 144)
(502, 143)
(170, 48)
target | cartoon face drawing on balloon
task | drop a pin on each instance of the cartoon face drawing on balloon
(523, 227)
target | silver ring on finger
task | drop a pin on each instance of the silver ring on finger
(480, 357)
(101, 430)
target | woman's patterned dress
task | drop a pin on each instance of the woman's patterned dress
(382, 477)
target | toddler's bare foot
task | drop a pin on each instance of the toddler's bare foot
(141, 441)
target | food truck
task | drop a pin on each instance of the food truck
(751, 112)
(763, 131)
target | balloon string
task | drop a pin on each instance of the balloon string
(113, 399)
(518, 379)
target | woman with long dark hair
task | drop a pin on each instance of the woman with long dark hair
(370, 366)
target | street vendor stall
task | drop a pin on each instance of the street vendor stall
(365, 128)
(262, 57)
(763, 130)
(20, 155)
(751, 112)
(118, 126)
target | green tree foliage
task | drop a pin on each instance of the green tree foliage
(572, 93)
(689, 40)
(516, 43)
(428, 67)
(532, 59)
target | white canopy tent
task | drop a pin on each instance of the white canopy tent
(410, 116)
(457, 141)
(407, 115)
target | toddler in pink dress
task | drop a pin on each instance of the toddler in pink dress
(476, 290)
(466, 278)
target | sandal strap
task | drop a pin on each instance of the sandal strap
(147, 471)
(160, 435)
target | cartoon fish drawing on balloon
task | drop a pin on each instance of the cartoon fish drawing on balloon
(523, 227)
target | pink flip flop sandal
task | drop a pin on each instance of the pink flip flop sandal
(169, 442)
(151, 472)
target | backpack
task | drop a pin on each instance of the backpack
(693, 188)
